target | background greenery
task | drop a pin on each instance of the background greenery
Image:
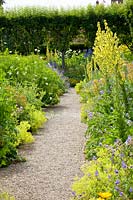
(24, 30)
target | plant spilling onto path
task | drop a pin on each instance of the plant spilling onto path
(6, 196)
(26, 84)
(107, 110)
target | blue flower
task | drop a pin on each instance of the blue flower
(117, 182)
(101, 92)
(116, 188)
(124, 165)
(96, 173)
(116, 171)
(94, 158)
(128, 141)
(130, 189)
(90, 115)
(88, 53)
(54, 64)
(121, 193)
(73, 193)
(121, 155)
(109, 177)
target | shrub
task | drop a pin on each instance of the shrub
(7, 124)
(32, 69)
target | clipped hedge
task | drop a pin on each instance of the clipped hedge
(35, 27)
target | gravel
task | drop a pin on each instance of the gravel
(53, 160)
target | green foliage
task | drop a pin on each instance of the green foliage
(6, 196)
(23, 134)
(75, 67)
(37, 118)
(28, 93)
(112, 172)
(29, 70)
(37, 27)
(129, 19)
(7, 125)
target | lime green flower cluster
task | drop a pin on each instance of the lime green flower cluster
(6, 196)
(112, 171)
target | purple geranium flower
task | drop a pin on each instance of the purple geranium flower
(130, 189)
(117, 182)
(128, 141)
(96, 173)
(116, 171)
(90, 115)
(121, 194)
(101, 92)
(124, 165)
(116, 188)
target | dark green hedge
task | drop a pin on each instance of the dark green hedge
(26, 29)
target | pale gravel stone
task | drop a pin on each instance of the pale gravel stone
(53, 160)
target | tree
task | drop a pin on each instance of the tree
(60, 36)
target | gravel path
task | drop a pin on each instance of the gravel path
(53, 160)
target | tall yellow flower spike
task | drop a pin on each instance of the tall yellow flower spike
(106, 50)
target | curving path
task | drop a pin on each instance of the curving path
(53, 160)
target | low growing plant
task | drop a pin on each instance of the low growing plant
(6, 196)
(23, 134)
(109, 176)
(37, 119)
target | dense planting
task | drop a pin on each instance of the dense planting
(107, 99)
(26, 84)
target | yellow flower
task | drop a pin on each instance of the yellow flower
(105, 195)
(100, 198)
